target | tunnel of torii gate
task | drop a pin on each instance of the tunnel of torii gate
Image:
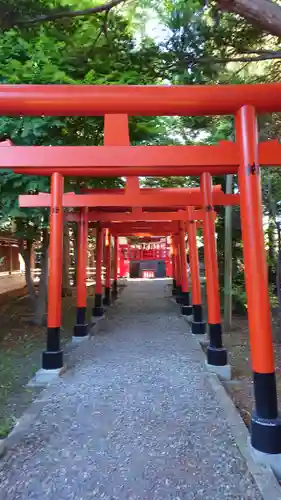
(117, 157)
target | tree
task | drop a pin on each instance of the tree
(266, 14)
(78, 51)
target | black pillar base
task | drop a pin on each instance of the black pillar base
(174, 288)
(178, 298)
(184, 299)
(266, 434)
(186, 310)
(177, 293)
(198, 327)
(81, 315)
(52, 360)
(216, 356)
(197, 313)
(98, 310)
(107, 297)
(80, 330)
(114, 290)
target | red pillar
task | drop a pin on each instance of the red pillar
(107, 292)
(198, 324)
(80, 329)
(266, 425)
(216, 354)
(116, 267)
(177, 264)
(174, 271)
(53, 356)
(184, 298)
(168, 260)
(98, 309)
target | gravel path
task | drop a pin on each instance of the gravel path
(135, 419)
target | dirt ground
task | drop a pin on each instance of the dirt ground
(21, 345)
(241, 386)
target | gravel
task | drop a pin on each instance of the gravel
(134, 419)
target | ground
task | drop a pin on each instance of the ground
(237, 343)
(135, 418)
(21, 345)
(11, 282)
(20, 340)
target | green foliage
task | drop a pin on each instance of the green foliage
(70, 52)
(198, 45)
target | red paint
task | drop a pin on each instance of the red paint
(253, 243)
(97, 100)
(108, 258)
(116, 258)
(194, 262)
(55, 252)
(183, 261)
(82, 258)
(99, 252)
(72, 200)
(224, 154)
(210, 252)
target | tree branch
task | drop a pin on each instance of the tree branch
(263, 13)
(225, 60)
(54, 16)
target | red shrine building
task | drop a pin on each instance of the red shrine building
(145, 257)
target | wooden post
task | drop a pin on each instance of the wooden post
(198, 324)
(186, 308)
(114, 293)
(53, 356)
(107, 291)
(266, 424)
(216, 353)
(98, 309)
(178, 267)
(174, 271)
(80, 329)
(227, 319)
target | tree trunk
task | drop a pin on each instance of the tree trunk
(271, 252)
(25, 247)
(66, 290)
(278, 274)
(41, 299)
(263, 13)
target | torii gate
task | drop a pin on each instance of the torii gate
(44, 200)
(245, 157)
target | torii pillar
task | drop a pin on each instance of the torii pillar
(81, 327)
(52, 359)
(98, 309)
(198, 325)
(116, 266)
(266, 423)
(107, 290)
(177, 268)
(216, 353)
(186, 308)
(174, 272)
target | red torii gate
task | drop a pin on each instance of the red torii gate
(83, 218)
(242, 101)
